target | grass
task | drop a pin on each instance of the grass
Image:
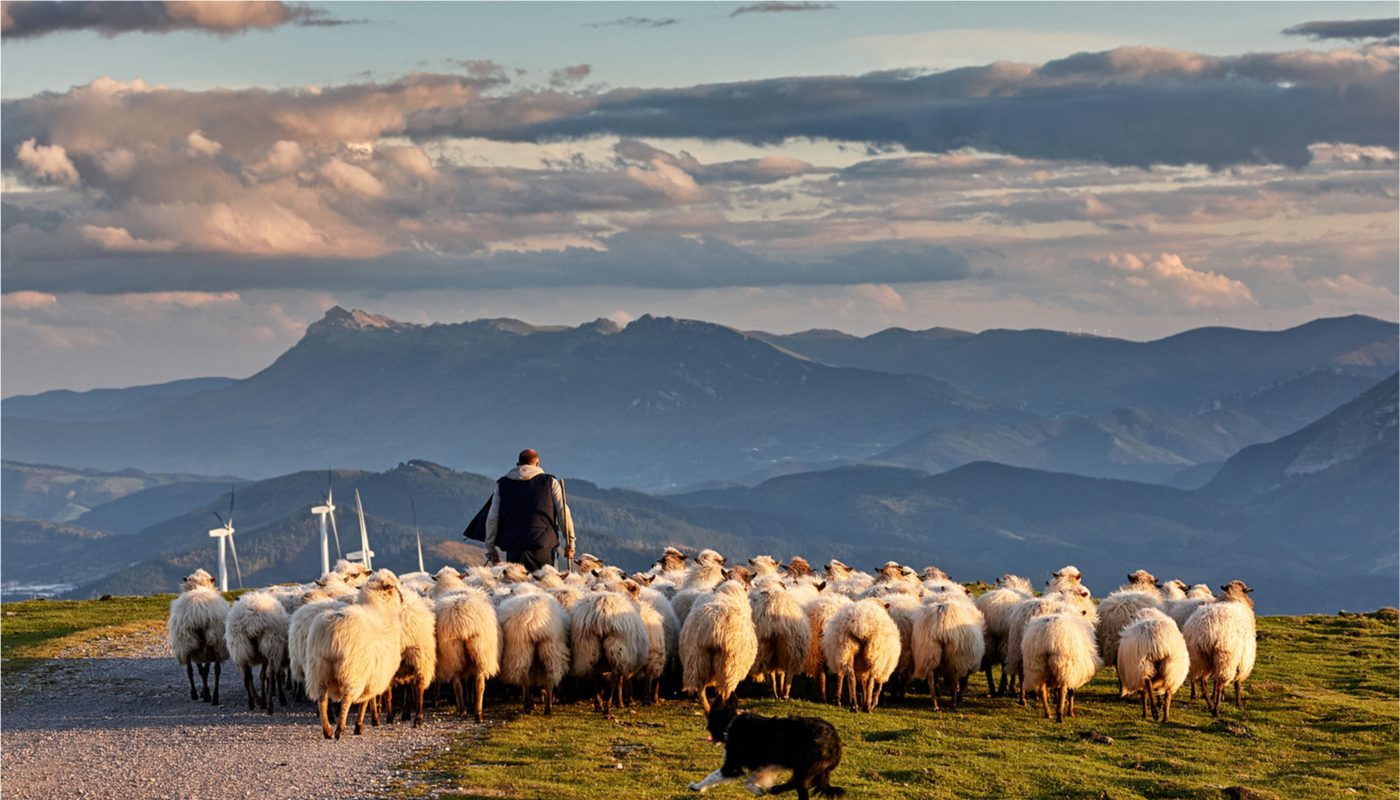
(1320, 721)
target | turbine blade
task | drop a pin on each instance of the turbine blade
(219, 518)
(230, 504)
(420, 551)
(233, 549)
(337, 536)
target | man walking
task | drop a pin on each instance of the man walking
(528, 515)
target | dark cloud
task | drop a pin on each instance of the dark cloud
(1347, 29)
(633, 260)
(21, 19)
(635, 22)
(778, 7)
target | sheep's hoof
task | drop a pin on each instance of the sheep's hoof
(417, 722)
(357, 730)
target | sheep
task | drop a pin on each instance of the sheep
(819, 612)
(417, 655)
(468, 645)
(1064, 578)
(1174, 589)
(548, 577)
(862, 648)
(718, 644)
(1121, 607)
(609, 642)
(948, 643)
(764, 565)
(843, 579)
(447, 580)
(1075, 598)
(355, 575)
(586, 564)
(783, 636)
(534, 646)
(317, 601)
(420, 583)
(903, 607)
(256, 633)
(1221, 641)
(1058, 652)
(996, 607)
(196, 631)
(1152, 658)
(511, 572)
(932, 573)
(799, 567)
(353, 651)
(1181, 610)
(661, 639)
(335, 585)
(704, 575)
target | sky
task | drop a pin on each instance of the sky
(187, 186)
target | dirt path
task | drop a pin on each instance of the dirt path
(124, 727)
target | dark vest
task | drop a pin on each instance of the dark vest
(526, 517)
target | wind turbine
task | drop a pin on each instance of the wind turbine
(225, 534)
(364, 554)
(416, 533)
(327, 510)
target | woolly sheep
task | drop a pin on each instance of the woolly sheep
(862, 647)
(819, 612)
(1120, 608)
(1027, 610)
(417, 655)
(534, 646)
(420, 583)
(1064, 578)
(903, 608)
(609, 643)
(447, 580)
(353, 651)
(704, 574)
(783, 636)
(1152, 659)
(256, 634)
(764, 565)
(1221, 641)
(468, 645)
(996, 606)
(948, 643)
(1058, 652)
(317, 602)
(718, 644)
(661, 641)
(196, 631)
(1181, 610)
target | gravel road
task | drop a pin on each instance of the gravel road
(123, 726)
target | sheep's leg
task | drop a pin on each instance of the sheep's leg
(248, 686)
(344, 715)
(283, 676)
(263, 680)
(189, 672)
(1166, 704)
(957, 693)
(480, 694)
(527, 699)
(821, 685)
(323, 705)
(458, 698)
(548, 700)
(437, 695)
(1070, 694)
(1239, 701)
(204, 678)
(1149, 698)
(991, 687)
(218, 669)
(1217, 692)
(1045, 699)
(373, 712)
(389, 706)
(360, 718)
(1060, 701)
(933, 691)
(840, 684)
(704, 700)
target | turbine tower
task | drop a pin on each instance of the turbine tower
(225, 534)
(324, 511)
(364, 554)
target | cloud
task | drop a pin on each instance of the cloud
(46, 162)
(1347, 29)
(569, 76)
(21, 19)
(635, 22)
(120, 240)
(151, 301)
(776, 6)
(28, 301)
(1166, 281)
(201, 145)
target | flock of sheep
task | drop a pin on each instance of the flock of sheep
(353, 636)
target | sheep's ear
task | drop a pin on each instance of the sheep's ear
(1248, 590)
(821, 585)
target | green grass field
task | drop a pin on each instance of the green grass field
(1320, 721)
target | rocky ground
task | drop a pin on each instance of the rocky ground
(113, 718)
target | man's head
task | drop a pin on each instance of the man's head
(527, 456)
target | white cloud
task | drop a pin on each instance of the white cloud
(47, 162)
(120, 240)
(27, 301)
(1166, 280)
(201, 145)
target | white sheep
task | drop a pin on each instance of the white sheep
(534, 645)
(609, 643)
(256, 634)
(996, 606)
(819, 612)
(417, 655)
(1152, 659)
(1181, 610)
(468, 645)
(420, 583)
(447, 580)
(1220, 638)
(862, 647)
(1074, 598)
(196, 631)
(718, 644)
(316, 602)
(1121, 607)
(352, 652)
(1064, 578)
(948, 643)
(704, 574)
(903, 607)
(1058, 651)
(783, 635)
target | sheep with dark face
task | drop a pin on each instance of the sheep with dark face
(196, 631)
(1221, 641)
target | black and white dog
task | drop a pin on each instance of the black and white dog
(808, 746)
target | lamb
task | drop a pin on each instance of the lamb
(996, 607)
(1221, 641)
(468, 645)
(609, 643)
(256, 633)
(1121, 607)
(718, 644)
(354, 575)
(534, 646)
(1058, 652)
(862, 648)
(417, 655)
(1152, 658)
(783, 636)
(587, 563)
(948, 643)
(819, 612)
(196, 631)
(353, 651)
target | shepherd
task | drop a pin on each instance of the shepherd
(528, 515)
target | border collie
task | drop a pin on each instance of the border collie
(808, 746)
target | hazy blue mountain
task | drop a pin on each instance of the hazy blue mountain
(62, 405)
(1060, 373)
(38, 551)
(660, 403)
(64, 494)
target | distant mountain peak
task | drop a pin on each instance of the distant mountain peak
(339, 319)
